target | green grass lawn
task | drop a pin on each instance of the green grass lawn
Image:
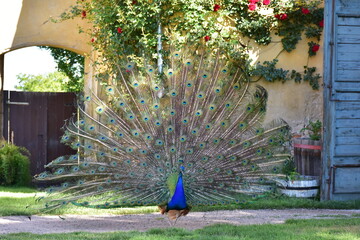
(14, 201)
(329, 229)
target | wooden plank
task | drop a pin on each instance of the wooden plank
(30, 125)
(342, 106)
(348, 30)
(349, 20)
(348, 140)
(347, 180)
(345, 197)
(307, 161)
(346, 96)
(348, 64)
(329, 40)
(347, 38)
(346, 86)
(347, 150)
(346, 160)
(348, 75)
(61, 106)
(347, 131)
(348, 48)
(347, 114)
(347, 123)
(348, 55)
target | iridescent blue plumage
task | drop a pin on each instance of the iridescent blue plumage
(178, 199)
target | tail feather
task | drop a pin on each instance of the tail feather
(199, 117)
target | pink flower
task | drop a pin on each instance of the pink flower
(305, 10)
(266, 2)
(315, 48)
(83, 13)
(119, 30)
(207, 38)
(321, 23)
(216, 7)
(252, 6)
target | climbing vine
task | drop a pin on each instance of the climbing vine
(128, 29)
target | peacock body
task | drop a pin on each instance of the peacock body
(190, 136)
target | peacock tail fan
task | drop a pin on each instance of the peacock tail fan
(200, 119)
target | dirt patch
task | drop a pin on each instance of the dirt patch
(143, 222)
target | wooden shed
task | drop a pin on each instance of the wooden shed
(341, 154)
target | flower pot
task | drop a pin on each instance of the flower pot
(307, 156)
(304, 187)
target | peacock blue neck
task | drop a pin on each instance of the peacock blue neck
(178, 199)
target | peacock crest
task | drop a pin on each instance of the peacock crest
(192, 135)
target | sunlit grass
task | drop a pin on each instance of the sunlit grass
(22, 201)
(18, 190)
(328, 229)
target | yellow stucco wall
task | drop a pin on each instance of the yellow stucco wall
(296, 103)
(26, 23)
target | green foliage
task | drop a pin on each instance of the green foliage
(52, 82)
(269, 72)
(302, 17)
(127, 29)
(289, 168)
(312, 77)
(70, 63)
(14, 165)
(314, 130)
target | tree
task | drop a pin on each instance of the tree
(71, 64)
(52, 82)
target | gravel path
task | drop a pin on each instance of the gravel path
(143, 222)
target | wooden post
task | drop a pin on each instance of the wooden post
(2, 58)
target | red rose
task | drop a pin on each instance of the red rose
(281, 16)
(315, 48)
(119, 30)
(134, 2)
(321, 23)
(207, 38)
(266, 2)
(83, 14)
(305, 10)
(92, 40)
(216, 7)
(252, 6)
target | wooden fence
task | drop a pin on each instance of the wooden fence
(34, 120)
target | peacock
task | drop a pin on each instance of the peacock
(190, 134)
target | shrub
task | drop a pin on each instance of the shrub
(14, 165)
